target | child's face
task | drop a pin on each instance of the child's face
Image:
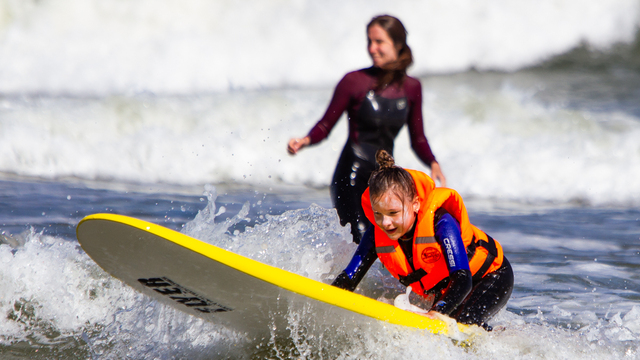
(395, 214)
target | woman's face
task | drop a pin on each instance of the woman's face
(381, 48)
(395, 215)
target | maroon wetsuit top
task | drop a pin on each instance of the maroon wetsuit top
(349, 95)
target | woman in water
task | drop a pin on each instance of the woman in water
(423, 236)
(379, 100)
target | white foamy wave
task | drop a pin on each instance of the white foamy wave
(54, 294)
(505, 144)
(166, 46)
(495, 143)
(316, 245)
(48, 288)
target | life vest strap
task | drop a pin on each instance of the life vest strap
(413, 277)
(471, 249)
(492, 254)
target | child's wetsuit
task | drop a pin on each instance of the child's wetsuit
(460, 296)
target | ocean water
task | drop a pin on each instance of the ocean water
(179, 114)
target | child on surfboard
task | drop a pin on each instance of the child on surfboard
(423, 236)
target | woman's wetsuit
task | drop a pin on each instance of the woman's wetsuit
(460, 296)
(375, 118)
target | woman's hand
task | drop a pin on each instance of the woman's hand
(296, 144)
(437, 175)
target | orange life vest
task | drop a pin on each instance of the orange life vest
(429, 261)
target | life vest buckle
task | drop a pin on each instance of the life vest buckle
(413, 277)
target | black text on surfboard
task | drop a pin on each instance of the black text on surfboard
(182, 295)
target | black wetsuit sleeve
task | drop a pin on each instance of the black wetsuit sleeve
(360, 263)
(447, 234)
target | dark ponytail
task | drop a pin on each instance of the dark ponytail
(396, 71)
(389, 176)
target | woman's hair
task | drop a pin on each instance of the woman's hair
(396, 71)
(390, 177)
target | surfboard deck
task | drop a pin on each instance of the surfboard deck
(223, 287)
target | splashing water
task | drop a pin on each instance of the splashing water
(57, 303)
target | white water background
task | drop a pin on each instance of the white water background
(495, 136)
(210, 92)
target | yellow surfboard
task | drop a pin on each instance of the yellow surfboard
(220, 286)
